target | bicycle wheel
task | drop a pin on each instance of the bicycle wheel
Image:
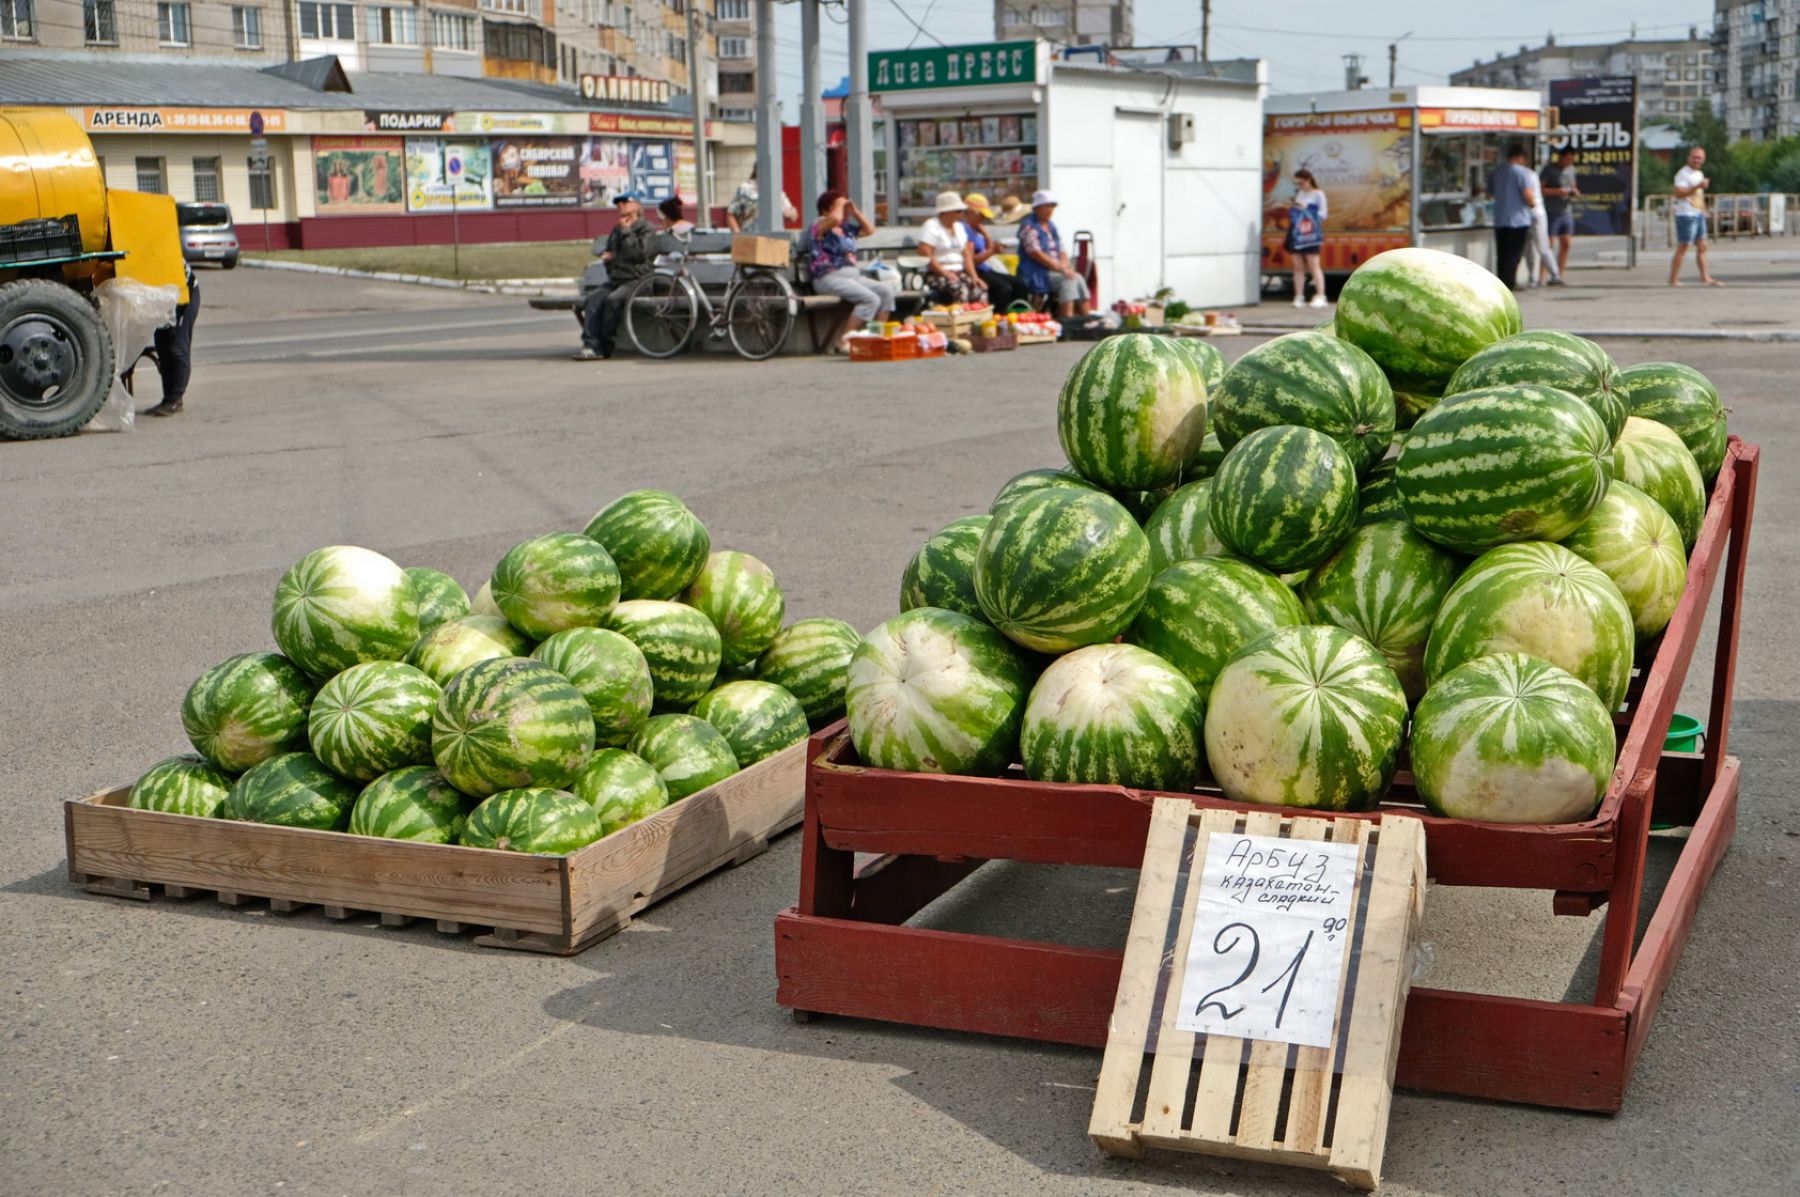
(760, 315)
(660, 314)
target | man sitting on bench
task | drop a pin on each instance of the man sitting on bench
(628, 251)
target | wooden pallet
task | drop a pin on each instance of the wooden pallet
(1252, 1098)
(553, 904)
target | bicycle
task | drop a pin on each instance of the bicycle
(757, 312)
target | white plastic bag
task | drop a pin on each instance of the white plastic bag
(883, 272)
(132, 312)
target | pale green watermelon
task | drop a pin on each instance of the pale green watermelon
(680, 645)
(757, 719)
(622, 787)
(1385, 584)
(611, 673)
(510, 722)
(180, 785)
(483, 603)
(1180, 529)
(1058, 568)
(1653, 458)
(1131, 413)
(741, 597)
(373, 718)
(247, 709)
(291, 790)
(540, 821)
(413, 803)
(657, 543)
(810, 659)
(1683, 400)
(1113, 714)
(440, 598)
(688, 752)
(340, 606)
(1422, 313)
(452, 647)
(1632, 540)
(1199, 613)
(551, 583)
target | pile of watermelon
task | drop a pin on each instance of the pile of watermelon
(595, 678)
(1417, 531)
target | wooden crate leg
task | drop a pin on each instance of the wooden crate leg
(1627, 888)
(449, 927)
(229, 898)
(1731, 605)
(397, 920)
(339, 913)
(287, 906)
(116, 887)
(181, 891)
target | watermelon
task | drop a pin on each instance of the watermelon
(1408, 407)
(622, 787)
(483, 603)
(657, 543)
(1314, 381)
(294, 789)
(810, 659)
(543, 822)
(1541, 599)
(413, 803)
(1059, 568)
(942, 572)
(1504, 464)
(1682, 399)
(1131, 413)
(757, 719)
(1181, 527)
(1284, 497)
(440, 598)
(935, 691)
(373, 718)
(741, 597)
(1113, 714)
(1422, 313)
(1305, 716)
(1552, 359)
(1632, 540)
(1379, 498)
(688, 752)
(1386, 584)
(1207, 356)
(247, 709)
(510, 722)
(1653, 458)
(180, 785)
(680, 645)
(1212, 452)
(1142, 504)
(1510, 738)
(551, 583)
(1198, 613)
(452, 647)
(1020, 485)
(611, 674)
(340, 606)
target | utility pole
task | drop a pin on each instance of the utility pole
(859, 123)
(1205, 30)
(697, 92)
(812, 108)
(768, 124)
(1394, 55)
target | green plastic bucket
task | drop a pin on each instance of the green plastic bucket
(1685, 734)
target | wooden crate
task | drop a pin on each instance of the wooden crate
(554, 904)
(957, 322)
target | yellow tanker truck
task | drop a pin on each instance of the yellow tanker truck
(63, 233)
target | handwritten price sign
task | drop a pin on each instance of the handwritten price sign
(1270, 930)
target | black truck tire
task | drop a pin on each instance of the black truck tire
(56, 360)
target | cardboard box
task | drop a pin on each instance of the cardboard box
(749, 250)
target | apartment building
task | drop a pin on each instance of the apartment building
(1070, 22)
(1756, 44)
(1673, 74)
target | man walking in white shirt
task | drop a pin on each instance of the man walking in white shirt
(1690, 217)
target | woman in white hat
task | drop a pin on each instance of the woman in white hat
(1044, 266)
(950, 261)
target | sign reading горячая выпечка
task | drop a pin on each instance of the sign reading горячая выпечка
(953, 66)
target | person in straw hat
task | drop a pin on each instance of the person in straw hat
(1001, 286)
(950, 275)
(1012, 210)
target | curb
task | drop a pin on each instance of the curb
(509, 286)
(1764, 335)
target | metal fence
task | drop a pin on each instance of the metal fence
(1764, 214)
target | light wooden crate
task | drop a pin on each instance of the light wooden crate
(554, 904)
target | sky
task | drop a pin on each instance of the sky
(1303, 42)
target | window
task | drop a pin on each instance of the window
(328, 22)
(734, 47)
(99, 23)
(393, 27)
(737, 114)
(206, 181)
(150, 170)
(1690, 76)
(172, 26)
(246, 27)
(732, 83)
(262, 184)
(734, 10)
(518, 7)
(675, 47)
(15, 21)
(452, 31)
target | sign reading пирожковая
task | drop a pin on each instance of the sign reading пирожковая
(953, 66)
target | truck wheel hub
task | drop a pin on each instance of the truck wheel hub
(38, 357)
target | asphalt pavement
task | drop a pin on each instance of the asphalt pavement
(181, 1047)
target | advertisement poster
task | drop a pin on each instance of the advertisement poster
(537, 172)
(1362, 160)
(652, 170)
(686, 184)
(358, 176)
(605, 170)
(442, 174)
(1599, 118)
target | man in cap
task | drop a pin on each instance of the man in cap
(1044, 267)
(627, 253)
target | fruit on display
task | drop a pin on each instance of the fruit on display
(416, 803)
(180, 785)
(1385, 583)
(1131, 413)
(1541, 599)
(452, 647)
(483, 603)
(1305, 716)
(1142, 504)
(340, 606)
(656, 542)
(1113, 714)
(1379, 498)
(1313, 381)
(810, 659)
(1408, 407)
(1199, 613)
(1421, 314)
(622, 787)
(551, 583)
(247, 709)
(1023, 484)
(294, 789)
(373, 718)
(1207, 356)
(935, 691)
(1685, 401)
(533, 819)
(1653, 458)
(1545, 357)
(680, 645)
(739, 594)
(1632, 540)
(1511, 463)
(510, 722)
(1212, 452)
(1510, 738)
(687, 751)
(611, 674)
(758, 719)
(1059, 568)
(1180, 529)
(441, 598)
(942, 572)
(1284, 497)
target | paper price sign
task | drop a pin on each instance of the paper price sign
(1271, 926)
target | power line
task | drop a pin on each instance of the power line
(1476, 37)
(915, 24)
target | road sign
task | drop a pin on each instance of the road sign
(259, 153)
(256, 124)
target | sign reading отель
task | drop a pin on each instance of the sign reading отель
(953, 66)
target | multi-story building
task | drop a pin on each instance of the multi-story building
(737, 59)
(1070, 22)
(1672, 73)
(1756, 44)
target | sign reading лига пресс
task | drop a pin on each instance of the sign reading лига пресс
(953, 66)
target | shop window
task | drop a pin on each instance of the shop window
(173, 27)
(393, 26)
(99, 23)
(734, 47)
(206, 181)
(262, 184)
(328, 22)
(16, 24)
(452, 31)
(150, 176)
(246, 27)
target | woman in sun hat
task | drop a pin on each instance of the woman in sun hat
(950, 275)
(1002, 287)
(1044, 267)
(1012, 210)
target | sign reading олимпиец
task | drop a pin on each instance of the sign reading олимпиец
(953, 66)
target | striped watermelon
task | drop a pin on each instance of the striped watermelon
(1541, 599)
(1632, 540)
(452, 647)
(414, 803)
(810, 659)
(1421, 313)
(1379, 498)
(1504, 464)
(1061, 568)
(1305, 716)
(1386, 584)
(1653, 458)
(611, 674)
(657, 543)
(934, 691)
(483, 603)
(543, 822)
(680, 645)
(1284, 497)
(1132, 412)
(1200, 612)
(510, 722)
(622, 787)
(1180, 529)
(1408, 407)
(942, 572)
(1206, 355)
(180, 785)
(373, 718)
(1020, 485)
(1142, 504)
(247, 709)
(741, 597)
(1113, 714)
(440, 598)
(550, 583)
(1684, 400)
(340, 606)
(758, 719)
(687, 751)
(1510, 738)
(1551, 359)
(1212, 452)
(291, 790)
(1314, 381)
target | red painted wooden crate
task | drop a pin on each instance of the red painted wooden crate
(844, 949)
